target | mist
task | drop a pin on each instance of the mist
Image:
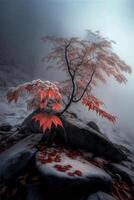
(23, 23)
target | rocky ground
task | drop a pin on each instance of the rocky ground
(81, 163)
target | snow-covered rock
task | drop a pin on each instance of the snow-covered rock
(67, 169)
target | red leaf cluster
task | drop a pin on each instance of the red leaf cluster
(47, 120)
(62, 168)
(47, 156)
(43, 94)
(94, 105)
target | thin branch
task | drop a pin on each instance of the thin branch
(72, 100)
(72, 79)
(77, 100)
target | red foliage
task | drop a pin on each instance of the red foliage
(44, 94)
(78, 172)
(51, 156)
(46, 120)
(86, 62)
(95, 106)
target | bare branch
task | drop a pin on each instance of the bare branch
(77, 100)
(72, 79)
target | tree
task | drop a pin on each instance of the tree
(85, 62)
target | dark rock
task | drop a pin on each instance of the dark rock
(5, 127)
(65, 170)
(35, 192)
(81, 136)
(30, 125)
(127, 174)
(100, 196)
(76, 134)
(128, 164)
(94, 126)
(16, 158)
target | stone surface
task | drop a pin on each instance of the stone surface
(79, 135)
(67, 169)
(35, 192)
(76, 134)
(126, 173)
(5, 127)
(94, 126)
(16, 158)
(100, 196)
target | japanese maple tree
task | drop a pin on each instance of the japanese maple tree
(85, 62)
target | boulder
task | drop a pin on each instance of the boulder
(94, 126)
(78, 135)
(35, 192)
(100, 196)
(16, 158)
(5, 127)
(69, 170)
(126, 173)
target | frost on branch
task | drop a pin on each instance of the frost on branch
(44, 94)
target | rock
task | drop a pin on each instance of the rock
(76, 134)
(67, 169)
(17, 157)
(5, 127)
(128, 164)
(127, 174)
(94, 126)
(81, 136)
(29, 125)
(35, 192)
(100, 196)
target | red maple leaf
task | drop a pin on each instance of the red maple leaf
(94, 105)
(47, 120)
(56, 106)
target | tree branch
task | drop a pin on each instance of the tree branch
(72, 79)
(77, 100)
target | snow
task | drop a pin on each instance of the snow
(78, 163)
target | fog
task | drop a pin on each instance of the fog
(24, 22)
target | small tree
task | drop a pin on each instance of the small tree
(85, 62)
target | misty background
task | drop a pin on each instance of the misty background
(24, 22)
